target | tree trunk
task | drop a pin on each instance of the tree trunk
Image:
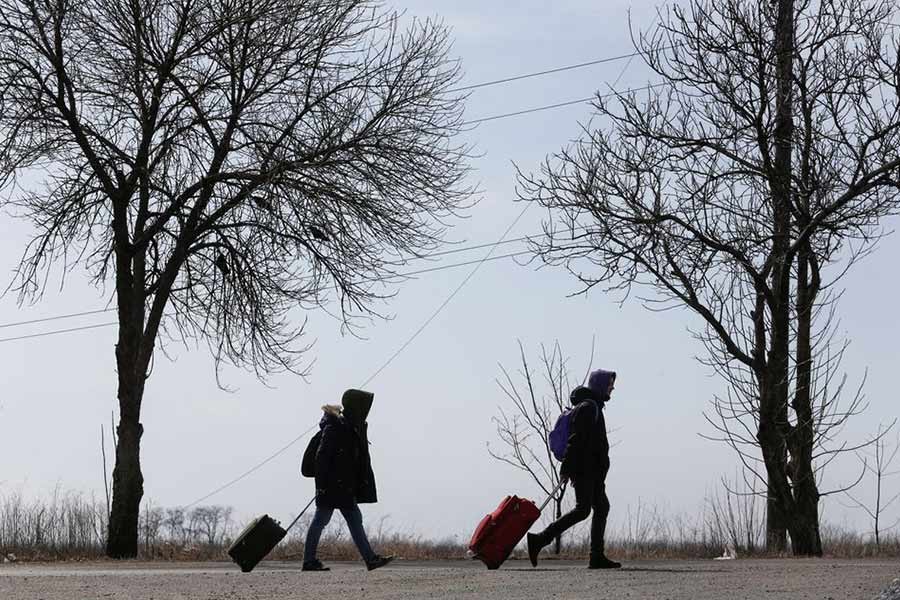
(138, 329)
(128, 487)
(773, 411)
(776, 524)
(806, 539)
(128, 481)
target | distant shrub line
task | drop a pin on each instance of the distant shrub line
(69, 526)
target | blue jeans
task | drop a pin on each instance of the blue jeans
(354, 524)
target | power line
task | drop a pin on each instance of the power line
(478, 264)
(399, 275)
(374, 279)
(406, 261)
(416, 334)
(56, 318)
(492, 245)
(444, 304)
(56, 332)
(630, 57)
(471, 122)
(590, 63)
(567, 68)
(454, 265)
(528, 111)
(403, 262)
(111, 309)
(253, 469)
(477, 246)
(582, 65)
(561, 104)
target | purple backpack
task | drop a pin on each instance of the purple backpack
(559, 437)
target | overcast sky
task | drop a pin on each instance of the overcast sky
(433, 405)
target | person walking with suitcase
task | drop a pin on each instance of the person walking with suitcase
(585, 464)
(344, 477)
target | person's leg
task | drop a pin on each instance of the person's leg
(581, 511)
(314, 534)
(583, 500)
(598, 530)
(353, 516)
(598, 524)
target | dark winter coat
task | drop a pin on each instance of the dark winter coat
(343, 465)
(587, 451)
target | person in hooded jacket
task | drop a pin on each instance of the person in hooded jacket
(344, 477)
(586, 464)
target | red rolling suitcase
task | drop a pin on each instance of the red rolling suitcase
(499, 532)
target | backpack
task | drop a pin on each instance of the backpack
(308, 464)
(559, 437)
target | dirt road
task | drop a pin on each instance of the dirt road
(671, 580)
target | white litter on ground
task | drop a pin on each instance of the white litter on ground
(728, 553)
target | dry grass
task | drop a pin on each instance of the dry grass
(70, 526)
(67, 526)
(840, 542)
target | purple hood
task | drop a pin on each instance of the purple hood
(598, 382)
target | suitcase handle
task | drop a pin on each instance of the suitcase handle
(552, 494)
(302, 512)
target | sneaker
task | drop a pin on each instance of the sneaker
(378, 562)
(604, 563)
(534, 548)
(314, 565)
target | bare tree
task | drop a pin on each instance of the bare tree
(525, 431)
(174, 524)
(742, 187)
(210, 523)
(735, 417)
(151, 523)
(736, 515)
(877, 462)
(221, 164)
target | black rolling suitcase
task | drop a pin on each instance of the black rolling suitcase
(258, 539)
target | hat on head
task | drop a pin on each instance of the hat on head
(598, 382)
(357, 404)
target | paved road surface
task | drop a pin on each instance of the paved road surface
(670, 580)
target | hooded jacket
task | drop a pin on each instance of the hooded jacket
(587, 451)
(344, 473)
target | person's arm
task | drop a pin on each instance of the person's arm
(601, 431)
(325, 455)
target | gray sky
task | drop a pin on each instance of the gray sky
(432, 417)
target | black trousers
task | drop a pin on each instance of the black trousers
(590, 493)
